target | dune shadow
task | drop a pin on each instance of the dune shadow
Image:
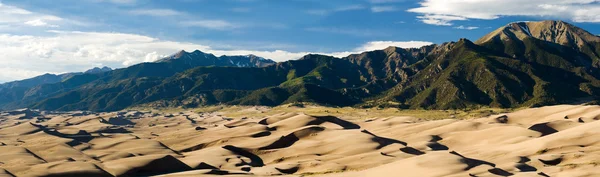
(525, 168)
(283, 142)
(222, 172)
(78, 138)
(410, 150)
(552, 162)
(255, 161)
(543, 128)
(472, 163)
(343, 123)
(261, 134)
(435, 145)
(383, 142)
(500, 172)
(288, 140)
(289, 170)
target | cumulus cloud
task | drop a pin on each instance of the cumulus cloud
(443, 12)
(68, 51)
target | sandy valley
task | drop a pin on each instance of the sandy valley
(259, 141)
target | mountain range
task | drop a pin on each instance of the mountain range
(522, 64)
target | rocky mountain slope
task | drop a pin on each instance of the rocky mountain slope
(519, 65)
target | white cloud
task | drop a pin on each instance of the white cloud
(211, 24)
(383, 9)
(443, 12)
(440, 20)
(15, 16)
(378, 45)
(155, 12)
(39, 22)
(25, 56)
(466, 27)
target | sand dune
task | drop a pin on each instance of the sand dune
(549, 141)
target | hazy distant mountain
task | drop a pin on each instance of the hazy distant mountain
(96, 70)
(19, 94)
(198, 58)
(521, 64)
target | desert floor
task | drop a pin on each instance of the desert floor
(309, 141)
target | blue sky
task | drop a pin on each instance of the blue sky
(42, 36)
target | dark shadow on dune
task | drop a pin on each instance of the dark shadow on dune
(552, 162)
(435, 145)
(543, 128)
(500, 172)
(410, 150)
(524, 160)
(385, 154)
(119, 121)
(222, 172)
(435, 138)
(525, 168)
(472, 163)
(113, 130)
(78, 138)
(193, 148)
(502, 119)
(192, 121)
(283, 142)
(345, 124)
(289, 170)
(383, 142)
(543, 174)
(165, 165)
(204, 166)
(261, 134)
(200, 128)
(256, 161)
(287, 140)
(263, 122)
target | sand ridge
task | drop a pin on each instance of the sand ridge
(553, 141)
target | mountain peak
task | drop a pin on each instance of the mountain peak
(559, 32)
(98, 70)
